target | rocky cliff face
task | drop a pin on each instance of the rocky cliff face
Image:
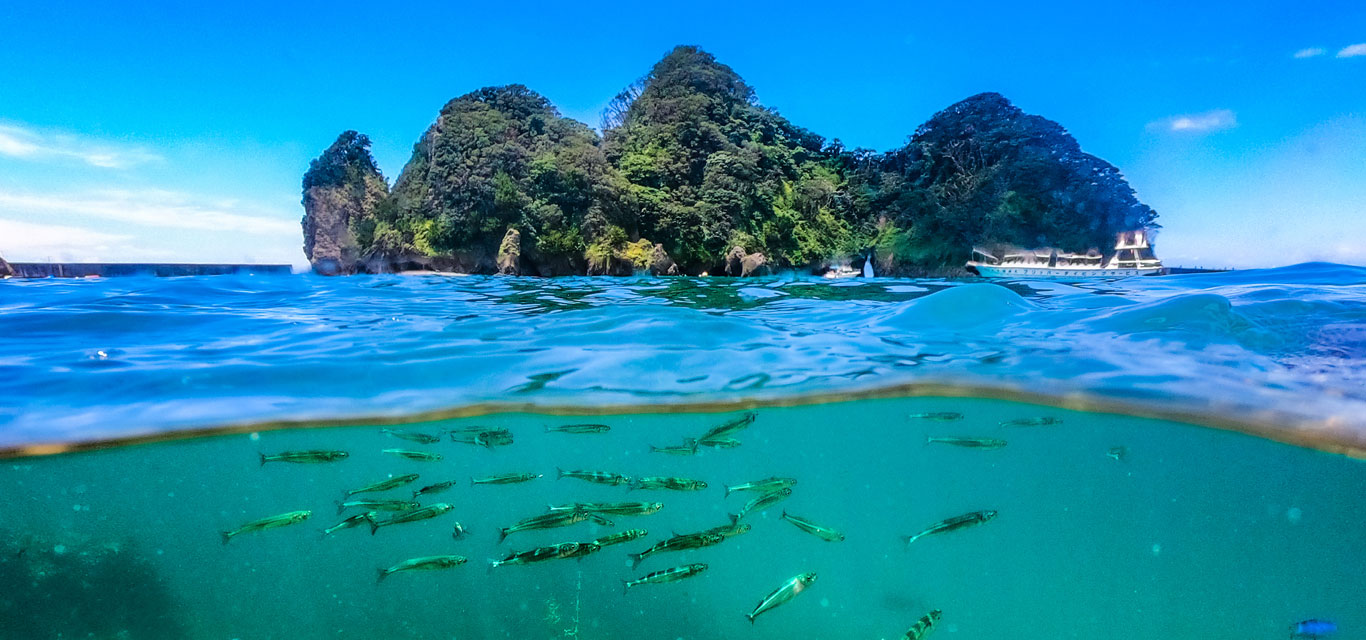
(5, 269)
(343, 190)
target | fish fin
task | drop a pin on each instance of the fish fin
(734, 518)
(382, 576)
(625, 587)
(727, 491)
(751, 617)
(690, 442)
(559, 473)
(502, 535)
(340, 508)
(263, 458)
(374, 526)
(654, 449)
(226, 536)
(492, 563)
(928, 439)
(471, 481)
(909, 539)
(636, 559)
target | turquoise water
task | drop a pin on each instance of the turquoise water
(1194, 532)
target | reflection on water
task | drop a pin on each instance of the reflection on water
(1103, 526)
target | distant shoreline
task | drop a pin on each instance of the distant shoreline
(114, 269)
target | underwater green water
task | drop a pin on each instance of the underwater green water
(1195, 533)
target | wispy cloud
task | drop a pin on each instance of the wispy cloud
(1216, 120)
(28, 143)
(1353, 51)
(1310, 52)
(32, 241)
(149, 208)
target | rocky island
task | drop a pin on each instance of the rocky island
(691, 176)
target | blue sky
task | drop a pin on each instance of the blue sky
(167, 132)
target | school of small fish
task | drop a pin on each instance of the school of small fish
(765, 493)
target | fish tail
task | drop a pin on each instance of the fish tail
(909, 539)
(625, 587)
(734, 518)
(374, 526)
(751, 617)
(340, 508)
(382, 575)
(492, 563)
(559, 473)
(727, 490)
(263, 458)
(928, 439)
(654, 449)
(636, 559)
(502, 535)
(227, 535)
(471, 481)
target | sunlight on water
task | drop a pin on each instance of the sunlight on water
(1108, 526)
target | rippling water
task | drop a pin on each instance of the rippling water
(1117, 517)
(1283, 348)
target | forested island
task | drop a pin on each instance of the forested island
(691, 175)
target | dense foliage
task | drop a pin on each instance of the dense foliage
(496, 158)
(689, 160)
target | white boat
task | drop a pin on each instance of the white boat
(1132, 257)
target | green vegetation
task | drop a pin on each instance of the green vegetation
(689, 160)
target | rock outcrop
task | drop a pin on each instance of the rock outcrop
(754, 264)
(510, 254)
(5, 269)
(342, 191)
(660, 262)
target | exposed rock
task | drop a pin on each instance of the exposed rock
(611, 265)
(510, 253)
(734, 261)
(342, 191)
(5, 269)
(754, 264)
(661, 264)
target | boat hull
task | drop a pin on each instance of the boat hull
(1057, 273)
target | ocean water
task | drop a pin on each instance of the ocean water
(133, 415)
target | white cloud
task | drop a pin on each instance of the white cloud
(1309, 53)
(28, 241)
(1353, 50)
(31, 144)
(150, 208)
(1216, 120)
